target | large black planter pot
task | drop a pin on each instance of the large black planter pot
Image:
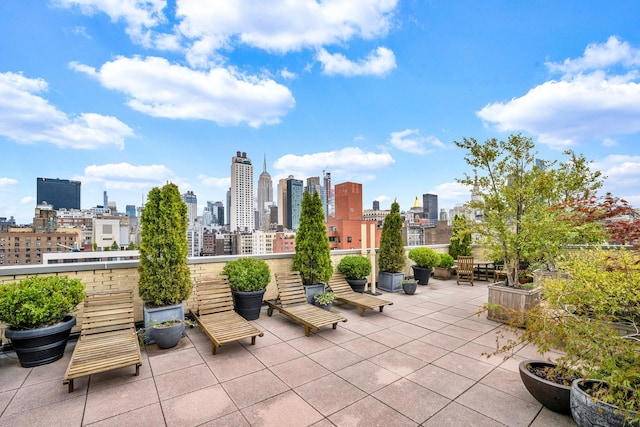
(36, 347)
(422, 275)
(156, 315)
(552, 395)
(357, 285)
(589, 413)
(247, 304)
(167, 336)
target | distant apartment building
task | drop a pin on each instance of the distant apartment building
(191, 200)
(282, 201)
(430, 206)
(242, 217)
(195, 240)
(58, 193)
(284, 243)
(262, 243)
(344, 229)
(107, 231)
(295, 191)
(326, 196)
(6, 223)
(24, 246)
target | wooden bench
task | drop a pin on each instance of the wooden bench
(216, 316)
(108, 338)
(344, 293)
(292, 302)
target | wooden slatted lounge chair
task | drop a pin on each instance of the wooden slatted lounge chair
(108, 338)
(216, 316)
(343, 291)
(465, 269)
(292, 302)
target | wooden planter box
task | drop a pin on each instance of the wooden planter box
(441, 273)
(506, 303)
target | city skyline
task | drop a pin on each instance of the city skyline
(124, 96)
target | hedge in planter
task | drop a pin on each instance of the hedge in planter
(248, 278)
(391, 259)
(425, 259)
(356, 269)
(37, 312)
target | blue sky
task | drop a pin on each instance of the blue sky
(125, 95)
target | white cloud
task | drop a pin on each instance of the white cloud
(286, 74)
(347, 164)
(599, 56)
(26, 117)
(225, 96)
(126, 176)
(411, 141)
(6, 182)
(211, 181)
(452, 193)
(598, 98)
(138, 15)
(623, 176)
(378, 63)
(29, 200)
(282, 25)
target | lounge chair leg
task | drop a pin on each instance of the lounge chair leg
(381, 307)
(213, 348)
(361, 312)
(253, 340)
(70, 386)
(137, 370)
(335, 325)
(307, 330)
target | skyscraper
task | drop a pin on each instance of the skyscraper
(294, 202)
(265, 196)
(192, 206)
(218, 209)
(58, 193)
(327, 196)
(282, 201)
(241, 193)
(430, 206)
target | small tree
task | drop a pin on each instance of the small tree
(516, 196)
(115, 246)
(164, 273)
(391, 256)
(313, 254)
(460, 243)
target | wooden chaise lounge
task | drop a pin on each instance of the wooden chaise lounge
(292, 302)
(216, 316)
(343, 292)
(108, 338)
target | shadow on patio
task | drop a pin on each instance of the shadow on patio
(419, 362)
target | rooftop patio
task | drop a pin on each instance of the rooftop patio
(419, 362)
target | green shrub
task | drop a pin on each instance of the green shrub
(391, 257)
(313, 254)
(355, 267)
(247, 274)
(446, 261)
(324, 298)
(39, 301)
(424, 257)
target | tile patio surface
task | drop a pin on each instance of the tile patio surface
(419, 362)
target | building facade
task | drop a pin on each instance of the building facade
(294, 202)
(265, 197)
(242, 217)
(58, 193)
(191, 200)
(430, 206)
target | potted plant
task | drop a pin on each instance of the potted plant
(512, 196)
(425, 259)
(580, 318)
(313, 254)
(248, 278)
(443, 269)
(164, 279)
(356, 269)
(525, 276)
(324, 300)
(409, 285)
(391, 258)
(37, 311)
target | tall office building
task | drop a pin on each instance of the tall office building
(228, 217)
(265, 196)
(58, 193)
(130, 210)
(430, 206)
(192, 206)
(282, 201)
(313, 184)
(376, 205)
(218, 209)
(241, 193)
(294, 202)
(327, 196)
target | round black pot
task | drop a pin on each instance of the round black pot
(247, 304)
(409, 287)
(422, 275)
(324, 306)
(36, 347)
(588, 412)
(357, 284)
(167, 336)
(552, 395)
